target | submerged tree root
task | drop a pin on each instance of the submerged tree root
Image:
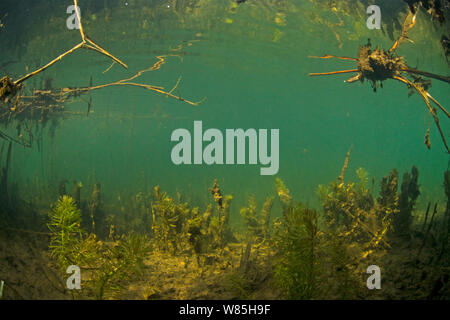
(378, 65)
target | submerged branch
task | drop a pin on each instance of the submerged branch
(333, 72)
(424, 94)
(345, 166)
(427, 74)
(41, 105)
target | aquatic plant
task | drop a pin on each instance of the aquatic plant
(257, 224)
(217, 194)
(254, 269)
(4, 170)
(249, 213)
(106, 267)
(296, 241)
(196, 231)
(435, 231)
(435, 8)
(406, 203)
(283, 193)
(176, 227)
(66, 233)
(135, 214)
(354, 232)
(239, 285)
(96, 213)
(297, 245)
(219, 228)
(169, 218)
(112, 265)
(388, 197)
(446, 221)
(350, 209)
(77, 186)
(357, 228)
(62, 188)
(204, 234)
(340, 201)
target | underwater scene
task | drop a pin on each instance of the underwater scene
(224, 150)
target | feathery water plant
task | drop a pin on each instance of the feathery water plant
(66, 233)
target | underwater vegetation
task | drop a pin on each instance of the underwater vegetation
(166, 248)
(354, 232)
(177, 227)
(64, 226)
(298, 253)
(324, 256)
(4, 177)
(108, 265)
(296, 243)
(446, 224)
(257, 223)
(407, 200)
(435, 8)
(338, 244)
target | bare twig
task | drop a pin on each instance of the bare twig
(345, 166)
(83, 44)
(428, 230)
(40, 104)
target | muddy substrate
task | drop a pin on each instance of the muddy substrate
(27, 271)
(30, 274)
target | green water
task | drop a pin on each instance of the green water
(252, 65)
